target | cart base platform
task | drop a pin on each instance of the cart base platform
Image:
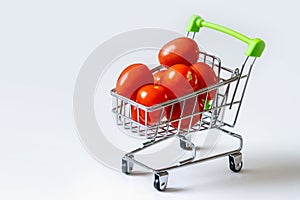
(161, 175)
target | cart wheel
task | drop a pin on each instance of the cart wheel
(161, 180)
(127, 166)
(235, 162)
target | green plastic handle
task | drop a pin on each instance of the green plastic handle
(255, 48)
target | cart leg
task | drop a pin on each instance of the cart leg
(235, 162)
(185, 142)
(127, 166)
(161, 180)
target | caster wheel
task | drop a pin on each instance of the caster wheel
(235, 162)
(127, 166)
(161, 180)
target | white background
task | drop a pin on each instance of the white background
(42, 47)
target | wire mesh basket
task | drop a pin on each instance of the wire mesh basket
(210, 117)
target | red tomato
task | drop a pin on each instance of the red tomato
(132, 79)
(188, 108)
(206, 77)
(158, 75)
(150, 95)
(181, 50)
(180, 80)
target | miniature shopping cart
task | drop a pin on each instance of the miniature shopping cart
(229, 90)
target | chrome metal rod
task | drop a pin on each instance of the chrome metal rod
(243, 93)
(211, 157)
(129, 157)
(192, 157)
(238, 81)
(234, 135)
(200, 160)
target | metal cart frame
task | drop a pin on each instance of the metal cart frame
(230, 91)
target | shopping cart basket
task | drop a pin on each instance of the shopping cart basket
(229, 94)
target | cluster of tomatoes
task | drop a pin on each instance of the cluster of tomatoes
(181, 75)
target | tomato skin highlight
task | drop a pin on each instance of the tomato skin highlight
(158, 76)
(206, 77)
(150, 95)
(181, 50)
(180, 79)
(132, 78)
